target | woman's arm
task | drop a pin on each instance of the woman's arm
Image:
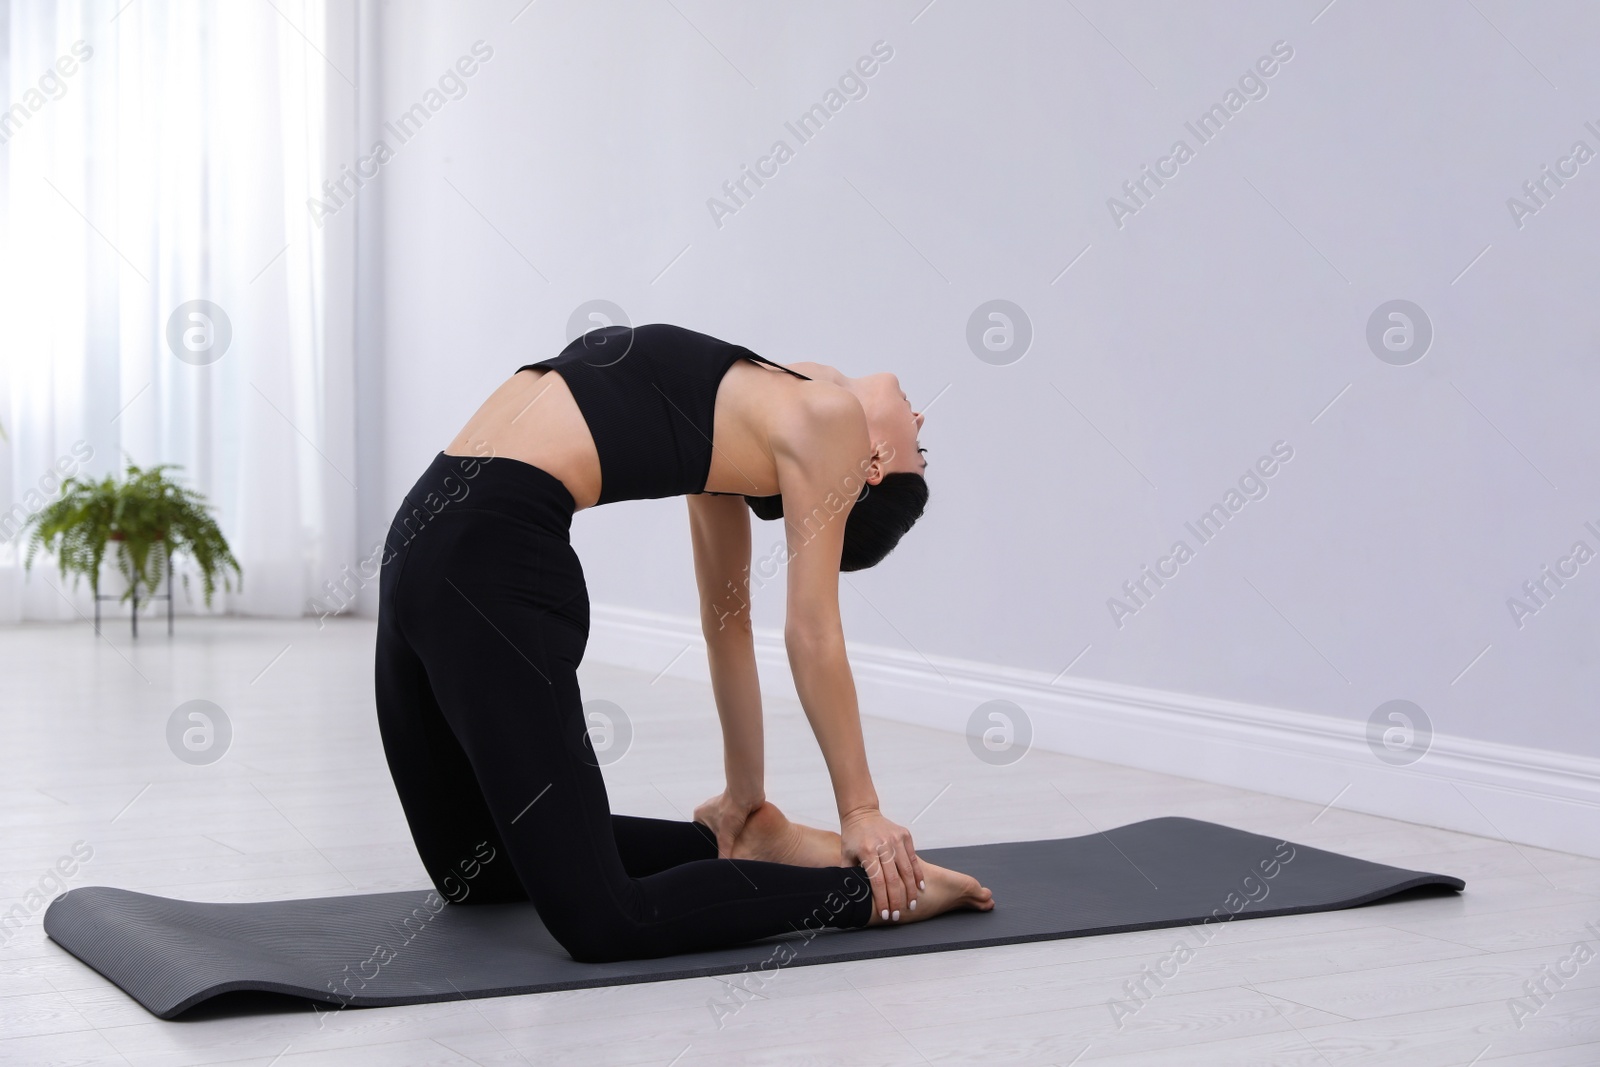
(821, 466)
(719, 529)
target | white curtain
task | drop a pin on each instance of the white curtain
(156, 154)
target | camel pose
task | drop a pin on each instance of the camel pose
(484, 617)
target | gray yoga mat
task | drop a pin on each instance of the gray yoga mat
(410, 947)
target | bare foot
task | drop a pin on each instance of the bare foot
(943, 890)
(769, 835)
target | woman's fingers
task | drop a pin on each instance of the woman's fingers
(880, 886)
(725, 819)
(709, 815)
(888, 861)
(911, 869)
(885, 851)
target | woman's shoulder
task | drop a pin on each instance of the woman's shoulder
(818, 372)
(821, 414)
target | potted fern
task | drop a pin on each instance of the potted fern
(145, 519)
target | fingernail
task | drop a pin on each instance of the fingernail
(897, 915)
(884, 914)
(913, 905)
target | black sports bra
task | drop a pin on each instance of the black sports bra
(649, 395)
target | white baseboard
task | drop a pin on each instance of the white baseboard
(1525, 795)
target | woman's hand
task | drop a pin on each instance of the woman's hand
(725, 817)
(884, 848)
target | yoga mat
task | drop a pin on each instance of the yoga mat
(411, 947)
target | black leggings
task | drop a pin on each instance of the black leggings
(483, 616)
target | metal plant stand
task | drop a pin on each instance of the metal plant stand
(167, 596)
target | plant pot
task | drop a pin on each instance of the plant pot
(114, 585)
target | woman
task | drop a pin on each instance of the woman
(483, 617)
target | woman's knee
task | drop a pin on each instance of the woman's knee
(600, 939)
(595, 931)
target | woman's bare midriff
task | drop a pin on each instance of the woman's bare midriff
(532, 417)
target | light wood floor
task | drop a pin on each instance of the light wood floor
(301, 805)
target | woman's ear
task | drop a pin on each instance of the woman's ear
(875, 471)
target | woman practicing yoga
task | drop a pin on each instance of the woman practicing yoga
(483, 618)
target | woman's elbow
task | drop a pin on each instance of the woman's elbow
(726, 622)
(812, 636)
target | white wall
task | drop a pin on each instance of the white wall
(1221, 318)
